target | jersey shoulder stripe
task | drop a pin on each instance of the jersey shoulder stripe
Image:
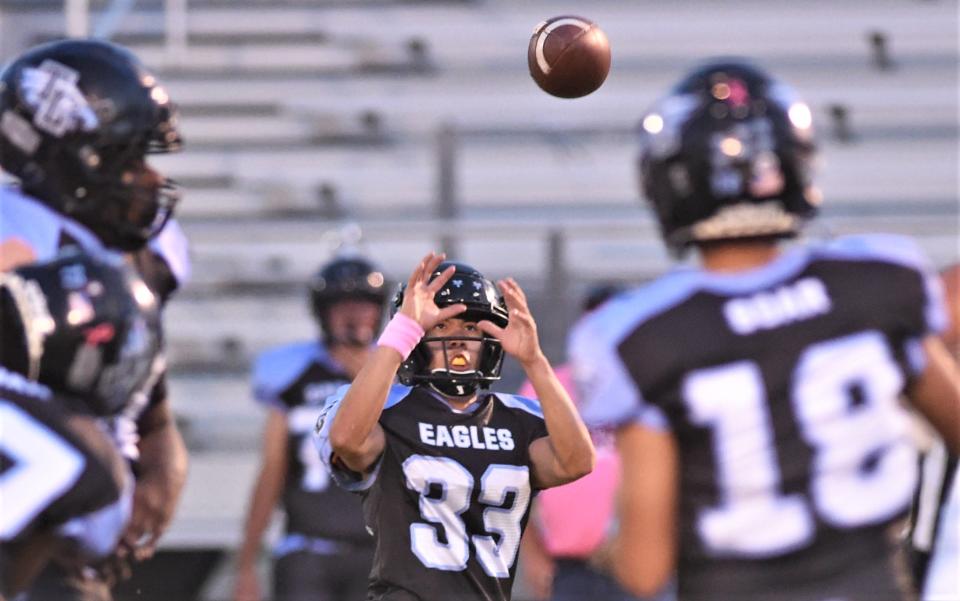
(522, 403)
(888, 248)
(40, 226)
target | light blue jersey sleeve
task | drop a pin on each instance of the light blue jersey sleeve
(40, 227)
(345, 478)
(274, 370)
(609, 396)
(30, 222)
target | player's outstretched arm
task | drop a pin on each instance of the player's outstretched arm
(163, 464)
(567, 452)
(644, 550)
(355, 434)
(263, 499)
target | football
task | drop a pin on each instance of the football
(568, 56)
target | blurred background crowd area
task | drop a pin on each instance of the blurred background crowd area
(414, 125)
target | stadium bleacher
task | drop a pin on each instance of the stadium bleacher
(302, 116)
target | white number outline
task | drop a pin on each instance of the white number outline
(496, 558)
(732, 398)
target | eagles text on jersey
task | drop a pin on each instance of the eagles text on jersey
(450, 496)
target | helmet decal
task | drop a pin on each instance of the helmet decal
(77, 119)
(484, 302)
(58, 105)
(79, 326)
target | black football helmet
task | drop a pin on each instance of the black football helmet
(483, 300)
(345, 278)
(77, 118)
(728, 154)
(86, 327)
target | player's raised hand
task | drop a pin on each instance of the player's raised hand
(519, 339)
(418, 297)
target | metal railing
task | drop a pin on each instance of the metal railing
(77, 23)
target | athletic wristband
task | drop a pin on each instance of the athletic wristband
(401, 334)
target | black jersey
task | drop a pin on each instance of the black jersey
(296, 379)
(781, 388)
(48, 474)
(450, 496)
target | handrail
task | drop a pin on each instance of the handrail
(111, 18)
(77, 23)
(175, 23)
(77, 18)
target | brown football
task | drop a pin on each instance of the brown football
(568, 56)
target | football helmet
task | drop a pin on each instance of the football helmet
(728, 154)
(469, 287)
(77, 118)
(85, 327)
(345, 278)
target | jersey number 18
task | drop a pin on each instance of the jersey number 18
(859, 456)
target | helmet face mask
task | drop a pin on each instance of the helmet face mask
(77, 118)
(484, 302)
(728, 155)
(87, 328)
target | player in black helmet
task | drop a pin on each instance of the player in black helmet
(78, 119)
(325, 553)
(80, 335)
(446, 468)
(756, 399)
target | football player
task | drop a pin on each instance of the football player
(77, 120)
(325, 554)
(80, 336)
(447, 469)
(765, 452)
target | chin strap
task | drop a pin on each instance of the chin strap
(454, 384)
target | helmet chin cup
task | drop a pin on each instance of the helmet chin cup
(455, 384)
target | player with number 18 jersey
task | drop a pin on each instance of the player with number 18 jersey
(757, 397)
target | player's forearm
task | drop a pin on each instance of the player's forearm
(569, 437)
(163, 457)
(264, 498)
(352, 431)
(937, 393)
